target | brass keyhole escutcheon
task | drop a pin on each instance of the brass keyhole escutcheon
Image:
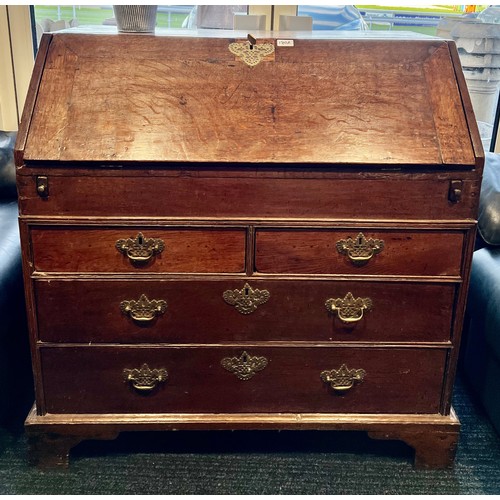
(246, 300)
(251, 52)
(244, 366)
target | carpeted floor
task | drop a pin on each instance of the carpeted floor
(265, 462)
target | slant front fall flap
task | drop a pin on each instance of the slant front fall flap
(179, 99)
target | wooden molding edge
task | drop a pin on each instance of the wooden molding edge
(332, 421)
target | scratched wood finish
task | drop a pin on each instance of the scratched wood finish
(396, 380)
(341, 196)
(315, 252)
(328, 101)
(197, 313)
(76, 249)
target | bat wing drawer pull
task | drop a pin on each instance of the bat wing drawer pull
(342, 379)
(143, 310)
(349, 309)
(140, 250)
(144, 379)
(360, 249)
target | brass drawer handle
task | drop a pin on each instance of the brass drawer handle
(343, 379)
(360, 250)
(349, 309)
(140, 250)
(247, 299)
(143, 310)
(245, 366)
(144, 379)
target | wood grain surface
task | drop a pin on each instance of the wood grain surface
(93, 249)
(90, 380)
(312, 251)
(339, 195)
(187, 99)
(197, 313)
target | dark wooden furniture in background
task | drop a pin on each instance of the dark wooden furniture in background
(221, 236)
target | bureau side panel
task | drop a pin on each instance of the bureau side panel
(31, 312)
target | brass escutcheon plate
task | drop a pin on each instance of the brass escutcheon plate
(251, 54)
(244, 366)
(246, 300)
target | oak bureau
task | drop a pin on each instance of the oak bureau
(232, 232)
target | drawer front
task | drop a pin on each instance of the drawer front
(133, 250)
(242, 194)
(201, 312)
(413, 253)
(92, 380)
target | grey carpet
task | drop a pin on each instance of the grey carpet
(264, 462)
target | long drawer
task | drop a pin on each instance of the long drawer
(151, 380)
(200, 311)
(138, 249)
(398, 252)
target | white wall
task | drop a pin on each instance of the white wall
(16, 62)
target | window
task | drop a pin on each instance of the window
(16, 54)
(49, 18)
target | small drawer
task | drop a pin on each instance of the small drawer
(202, 311)
(369, 252)
(240, 380)
(135, 250)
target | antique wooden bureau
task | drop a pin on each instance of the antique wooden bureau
(232, 232)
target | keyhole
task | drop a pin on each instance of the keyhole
(251, 40)
(139, 239)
